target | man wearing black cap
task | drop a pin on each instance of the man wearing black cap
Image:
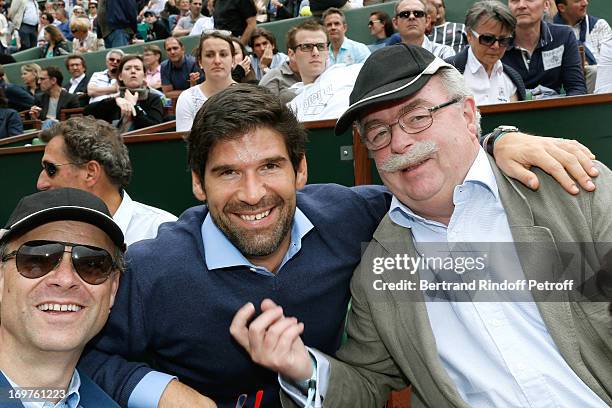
(421, 126)
(61, 256)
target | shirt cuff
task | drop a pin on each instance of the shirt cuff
(322, 382)
(149, 390)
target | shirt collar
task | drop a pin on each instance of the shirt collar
(77, 79)
(123, 214)
(479, 173)
(221, 253)
(546, 36)
(474, 65)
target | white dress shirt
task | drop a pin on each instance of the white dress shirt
(497, 88)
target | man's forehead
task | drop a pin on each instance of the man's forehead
(309, 34)
(254, 145)
(410, 4)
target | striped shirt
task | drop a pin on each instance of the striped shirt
(451, 34)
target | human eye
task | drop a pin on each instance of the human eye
(376, 133)
(416, 118)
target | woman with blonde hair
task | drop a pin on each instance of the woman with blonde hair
(85, 40)
(29, 75)
(56, 43)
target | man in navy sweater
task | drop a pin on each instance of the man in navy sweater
(263, 234)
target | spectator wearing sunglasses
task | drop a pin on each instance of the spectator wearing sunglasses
(85, 40)
(490, 25)
(411, 21)
(381, 28)
(545, 55)
(103, 84)
(342, 50)
(61, 257)
(89, 154)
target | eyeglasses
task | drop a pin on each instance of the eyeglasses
(415, 13)
(488, 39)
(52, 168)
(35, 259)
(371, 22)
(308, 47)
(415, 120)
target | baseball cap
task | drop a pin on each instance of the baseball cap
(389, 74)
(61, 204)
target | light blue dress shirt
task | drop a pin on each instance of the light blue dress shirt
(499, 354)
(351, 52)
(148, 391)
(71, 400)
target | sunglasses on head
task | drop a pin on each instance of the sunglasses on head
(35, 259)
(415, 13)
(488, 39)
(52, 168)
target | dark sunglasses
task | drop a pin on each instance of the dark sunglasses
(488, 39)
(371, 22)
(52, 168)
(308, 47)
(35, 259)
(415, 13)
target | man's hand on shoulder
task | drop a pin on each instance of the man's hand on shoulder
(273, 340)
(179, 395)
(566, 160)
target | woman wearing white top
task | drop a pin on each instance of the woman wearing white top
(216, 56)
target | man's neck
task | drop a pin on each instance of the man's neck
(418, 41)
(111, 197)
(570, 21)
(273, 261)
(527, 37)
(336, 44)
(179, 63)
(54, 92)
(35, 368)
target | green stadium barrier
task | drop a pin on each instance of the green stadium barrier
(160, 174)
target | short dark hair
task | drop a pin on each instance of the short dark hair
(54, 72)
(308, 25)
(86, 138)
(197, 51)
(48, 16)
(262, 32)
(235, 111)
(557, 2)
(489, 9)
(173, 38)
(75, 56)
(386, 20)
(124, 60)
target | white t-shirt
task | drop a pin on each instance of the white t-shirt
(203, 25)
(498, 88)
(328, 96)
(139, 221)
(187, 106)
(604, 70)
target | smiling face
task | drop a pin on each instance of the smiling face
(428, 183)
(132, 74)
(75, 67)
(250, 186)
(112, 61)
(527, 12)
(28, 329)
(376, 27)
(335, 27)
(488, 55)
(216, 59)
(411, 29)
(310, 64)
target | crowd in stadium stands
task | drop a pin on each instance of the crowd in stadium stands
(508, 51)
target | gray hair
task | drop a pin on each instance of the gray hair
(490, 9)
(424, 2)
(114, 51)
(86, 139)
(455, 86)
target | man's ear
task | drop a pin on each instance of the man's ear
(93, 173)
(197, 187)
(394, 21)
(469, 113)
(301, 175)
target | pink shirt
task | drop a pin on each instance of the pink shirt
(154, 77)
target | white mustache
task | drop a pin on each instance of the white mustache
(419, 152)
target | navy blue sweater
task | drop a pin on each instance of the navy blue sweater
(174, 315)
(554, 63)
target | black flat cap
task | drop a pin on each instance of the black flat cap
(389, 74)
(62, 204)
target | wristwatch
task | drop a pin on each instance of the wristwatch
(497, 133)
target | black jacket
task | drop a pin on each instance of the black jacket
(10, 123)
(66, 100)
(80, 89)
(459, 61)
(151, 111)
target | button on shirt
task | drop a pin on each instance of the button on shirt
(71, 400)
(498, 88)
(351, 52)
(507, 357)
